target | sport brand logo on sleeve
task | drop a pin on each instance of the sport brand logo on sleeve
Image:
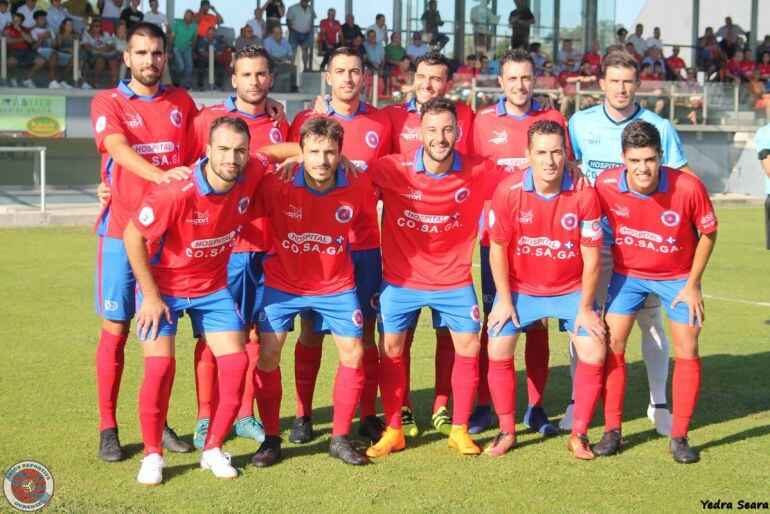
(146, 216)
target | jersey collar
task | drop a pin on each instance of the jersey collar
(418, 163)
(501, 111)
(231, 107)
(127, 92)
(662, 183)
(411, 105)
(299, 180)
(330, 110)
(623, 121)
(567, 183)
(202, 185)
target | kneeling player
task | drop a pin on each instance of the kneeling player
(311, 219)
(655, 214)
(188, 272)
(544, 253)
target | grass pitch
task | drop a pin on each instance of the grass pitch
(48, 335)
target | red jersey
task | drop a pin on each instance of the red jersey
(330, 31)
(191, 229)
(311, 233)
(655, 236)
(367, 137)
(406, 127)
(675, 64)
(747, 67)
(13, 33)
(764, 69)
(255, 236)
(429, 222)
(595, 60)
(156, 128)
(544, 235)
(502, 138)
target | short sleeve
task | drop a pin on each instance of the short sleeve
(200, 136)
(377, 173)
(573, 138)
(501, 214)
(157, 212)
(590, 218)
(105, 120)
(673, 152)
(702, 210)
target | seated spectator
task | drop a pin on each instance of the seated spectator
(728, 46)
(690, 85)
(246, 38)
(632, 52)
(651, 76)
(375, 53)
(567, 79)
(156, 17)
(636, 39)
(536, 52)
(567, 52)
(484, 65)
(350, 30)
(754, 88)
(42, 42)
(763, 47)
(99, 48)
(20, 51)
(56, 16)
(121, 41)
(257, 24)
(400, 79)
(594, 58)
(131, 14)
(182, 42)
(5, 15)
(748, 65)
(764, 66)
(65, 46)
(431, 22)
(655, 57)
(416, 48)
(675, 65)
(203, 49)
(763, 103)
(329, 36)
(358, 46)
(381, 29)
(548, 79)
(280, 52)
(654, 41)
(709, 52)
(395, 52)
(729, 27)
(621, 37)
(470, 68)
(731, 71)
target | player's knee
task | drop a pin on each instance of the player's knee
(269, 357)
(310, 339)
(118, 328)
(467, 346)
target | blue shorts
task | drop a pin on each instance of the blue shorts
(215, 312)
(457, 309)
(340, 312)
(530, 309)
(114, 284)
(626, 295)
(488, 289)
(246, 282)
(299, 39)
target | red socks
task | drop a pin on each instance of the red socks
(369, 393)
(307, 362)
(502, 385)
(205, 375)
(613, 390)
(484, 397)
(687, 376)
(536, 359)
(407, 356)
(247, 401)
(465, 379)
(109, 370)
(392, 379)
(269, 391)
(348, 385)
(153, 401)
(445, 358)
(588, 386)
(232, 372)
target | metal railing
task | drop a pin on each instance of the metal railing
(38, 174)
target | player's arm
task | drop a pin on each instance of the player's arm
(691, 293)
(280, 152)
(503, 309)
(122, 153)
(765, 162)
(587, 317)
(153, 307)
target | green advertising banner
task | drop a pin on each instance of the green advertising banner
(32, 116)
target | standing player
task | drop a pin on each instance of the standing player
(185, 269)
(432, 200)
(655, 214)
(544, 254)
(312, 221)
(252, 81)
(500, 134)
(595, 136)
(141, 130)
(367, 138)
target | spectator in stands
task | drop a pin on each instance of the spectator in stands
(206, 20)
(329, 36)
(246, 38)
(395, 53)
(375, 53)
(99, 48)
(121, 41)
(636, 39)
(484, 65)
(620, 38)
(536, 52)
(280, 52)
(65, 45)
(203, 48)
(380, 29)
(730, 27)
(257, 24)
(567, 79)
(520, 20)
(156, 17)
(131, 14)
(567, 53)
(548, 79)
(728, 46)
(748, 65)
(709, 52)
(27, 8)
(753, 90)
(431, 22)
(79, 8)
(274, 11)
(763, 47)
(350, 30)
(182, 42)
(20, 52)
(731, 71)
(400, 80)
(470, 68)
(416, 48)
(5, 15)
(358, 46)
(56, 15)
(42, 42)
(655, 41)
(631, 49)
(299, 20)
(110, 14)
(764, 66)
(675, 65)
(655, 56)
(594, 58)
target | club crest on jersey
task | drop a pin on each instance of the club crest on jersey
(176, 118)
(371, 139)
(146, 216)
(462, 194)
(275, 135)
(526, 217)
(475, 314)
(670, 218)
(344, 214)
(243, 204)
(569, 221)
(101, 124)
(358, 318)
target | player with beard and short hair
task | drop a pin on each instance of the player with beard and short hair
(141, 129)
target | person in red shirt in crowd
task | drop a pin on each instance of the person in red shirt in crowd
(632, 51)
(207, 20)
(764, 66)
(664, 230)
(329, 36)
(594, 58)
(401, 77)
(20, 52)
(675, 65)
(547, 79)
(731, 71)
(748, 65)
(470, 68)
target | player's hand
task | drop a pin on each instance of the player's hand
(577, 175)
(288, 168)
(692, 296)
(349, 167)
(104, 193)
(589, 320)
(148, 318)
(320, 106)
(275, 111)
(501, 313)
(545, 102)
(178, 173)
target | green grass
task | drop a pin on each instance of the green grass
(48, 334)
